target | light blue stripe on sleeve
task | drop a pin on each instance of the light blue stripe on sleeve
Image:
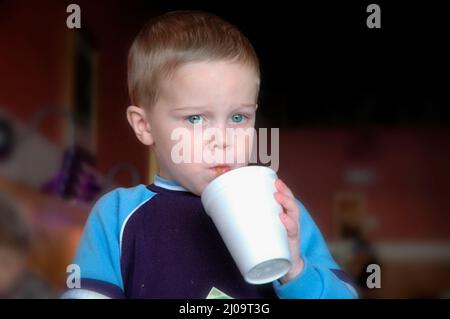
(317, 279)
(98, 254)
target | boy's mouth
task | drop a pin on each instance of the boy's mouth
(220, 169)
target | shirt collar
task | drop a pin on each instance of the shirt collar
(168, 184)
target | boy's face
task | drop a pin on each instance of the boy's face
(203, 95)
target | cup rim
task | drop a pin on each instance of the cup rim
(234, 172)
(209, 193)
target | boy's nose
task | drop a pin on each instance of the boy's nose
(219, 138)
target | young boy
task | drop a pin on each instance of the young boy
(191, 70)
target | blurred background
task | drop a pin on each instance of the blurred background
(364, 118)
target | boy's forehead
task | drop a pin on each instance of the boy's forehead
(208, 83)
(241, 106)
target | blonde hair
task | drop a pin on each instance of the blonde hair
(173, 39)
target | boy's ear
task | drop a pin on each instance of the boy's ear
(138, 120)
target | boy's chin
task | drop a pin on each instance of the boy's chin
(195, 188)
(199, 188)
(196, 191)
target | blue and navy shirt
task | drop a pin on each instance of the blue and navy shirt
(157, 241)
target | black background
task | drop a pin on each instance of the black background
(322, 66)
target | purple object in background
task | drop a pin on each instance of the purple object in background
(88, 187)
(72, 179)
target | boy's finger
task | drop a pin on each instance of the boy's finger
(292, 227)
(282, 187)
(288, 204)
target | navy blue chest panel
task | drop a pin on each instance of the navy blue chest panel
(171, 249)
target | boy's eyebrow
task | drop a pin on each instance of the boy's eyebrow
(251, 105)
(189, 107)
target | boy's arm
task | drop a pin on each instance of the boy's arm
(321, 277)
(98, 254)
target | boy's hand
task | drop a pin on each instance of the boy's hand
(290, 217)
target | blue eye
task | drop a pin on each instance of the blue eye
(195, 119)
(238, 118)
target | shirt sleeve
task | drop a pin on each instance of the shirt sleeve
(98, 254)
(321, 277)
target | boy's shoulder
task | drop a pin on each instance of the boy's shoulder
(99, 251)
(118, 204)
(128, 194)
